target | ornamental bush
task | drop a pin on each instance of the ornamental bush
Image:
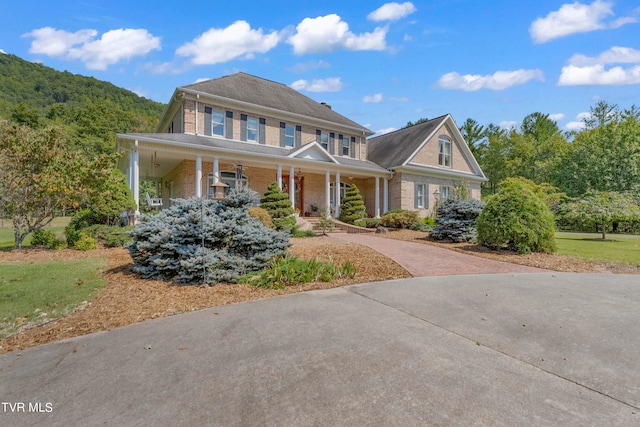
(169, 245)
(400, 219)
(456, 220)
(277, 203)
(352, 207)
(517, 218)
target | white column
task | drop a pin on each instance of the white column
(377, 197)
(279, 176)
(216, 170)
(292, 186)
(327, 193)
(130, 172)
(385, 195)
(199, 176)
(337, 202)
(136, 178)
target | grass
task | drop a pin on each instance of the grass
(617, 249)
(6, 232)
(44, 291)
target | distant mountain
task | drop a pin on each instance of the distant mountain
(40, 87)
(90, 110)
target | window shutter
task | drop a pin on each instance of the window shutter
(332, 143)
(228, 125)
(283, 125)
(318, 132)
(426, 196)
(415, 196)
(243, 127)
(352, 147)
(207, 121)
(298, 137)
(340, 141)
(262, 138)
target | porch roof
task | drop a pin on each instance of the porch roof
(240, 149)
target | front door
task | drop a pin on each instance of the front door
(299, 191)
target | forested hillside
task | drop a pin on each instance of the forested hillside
(91, 111)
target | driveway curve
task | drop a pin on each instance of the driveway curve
(426, 260)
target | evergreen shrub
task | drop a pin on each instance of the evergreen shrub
(456, 220)
(43, 237)
(261, 215)
(85, 242)
(400, 219)
(352, 206)
(169, 245)
(517, 218)
(277, 203)
(368, 222)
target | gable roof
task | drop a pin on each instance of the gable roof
(396, 148)
(262, 92)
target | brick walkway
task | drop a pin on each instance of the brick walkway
(426, 260)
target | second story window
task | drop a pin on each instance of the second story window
(444, 151)
(252, 129)
(289, 136)
(324, 140)
(344, 145)
(217, 123)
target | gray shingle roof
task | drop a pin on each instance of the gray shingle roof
(256, 90)
(395, 148)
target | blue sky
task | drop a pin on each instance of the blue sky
(380, 64)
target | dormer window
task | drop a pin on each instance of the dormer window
(444, 151)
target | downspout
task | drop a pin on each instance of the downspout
(197, 98)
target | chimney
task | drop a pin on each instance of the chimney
(326, 105)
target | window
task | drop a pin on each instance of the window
(229, 178)
(289, 136)
(445, 192)
(252, 129)
(421, 196)
(324, 140)
(345, 146)
(444, 151)
(217, 123)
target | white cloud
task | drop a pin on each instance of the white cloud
(328, 33)
(508, 124)
(384, 131)
(584, 70)
(332, 84)
(575, 18)
(399, 99)
(497, 81)
(114, 46)
(615, 55)
(556, 117)
(392, 11)
(578, 123)
(219, 45)
(373, 99)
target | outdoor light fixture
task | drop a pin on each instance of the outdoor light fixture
(436, 195)
(218, 194)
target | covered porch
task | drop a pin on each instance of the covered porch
(314, 180)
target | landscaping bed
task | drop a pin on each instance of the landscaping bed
(127, 299)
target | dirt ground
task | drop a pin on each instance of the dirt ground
(127, 299)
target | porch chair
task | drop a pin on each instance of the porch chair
(155, 202)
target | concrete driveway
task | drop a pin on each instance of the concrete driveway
(509, 349)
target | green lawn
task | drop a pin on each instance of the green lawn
(6, 232)
(32, 292)
(617, 249)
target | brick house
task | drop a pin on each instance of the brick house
(243, 130)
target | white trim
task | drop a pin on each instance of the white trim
(317, 148)
(439, 172)
(199, 176)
